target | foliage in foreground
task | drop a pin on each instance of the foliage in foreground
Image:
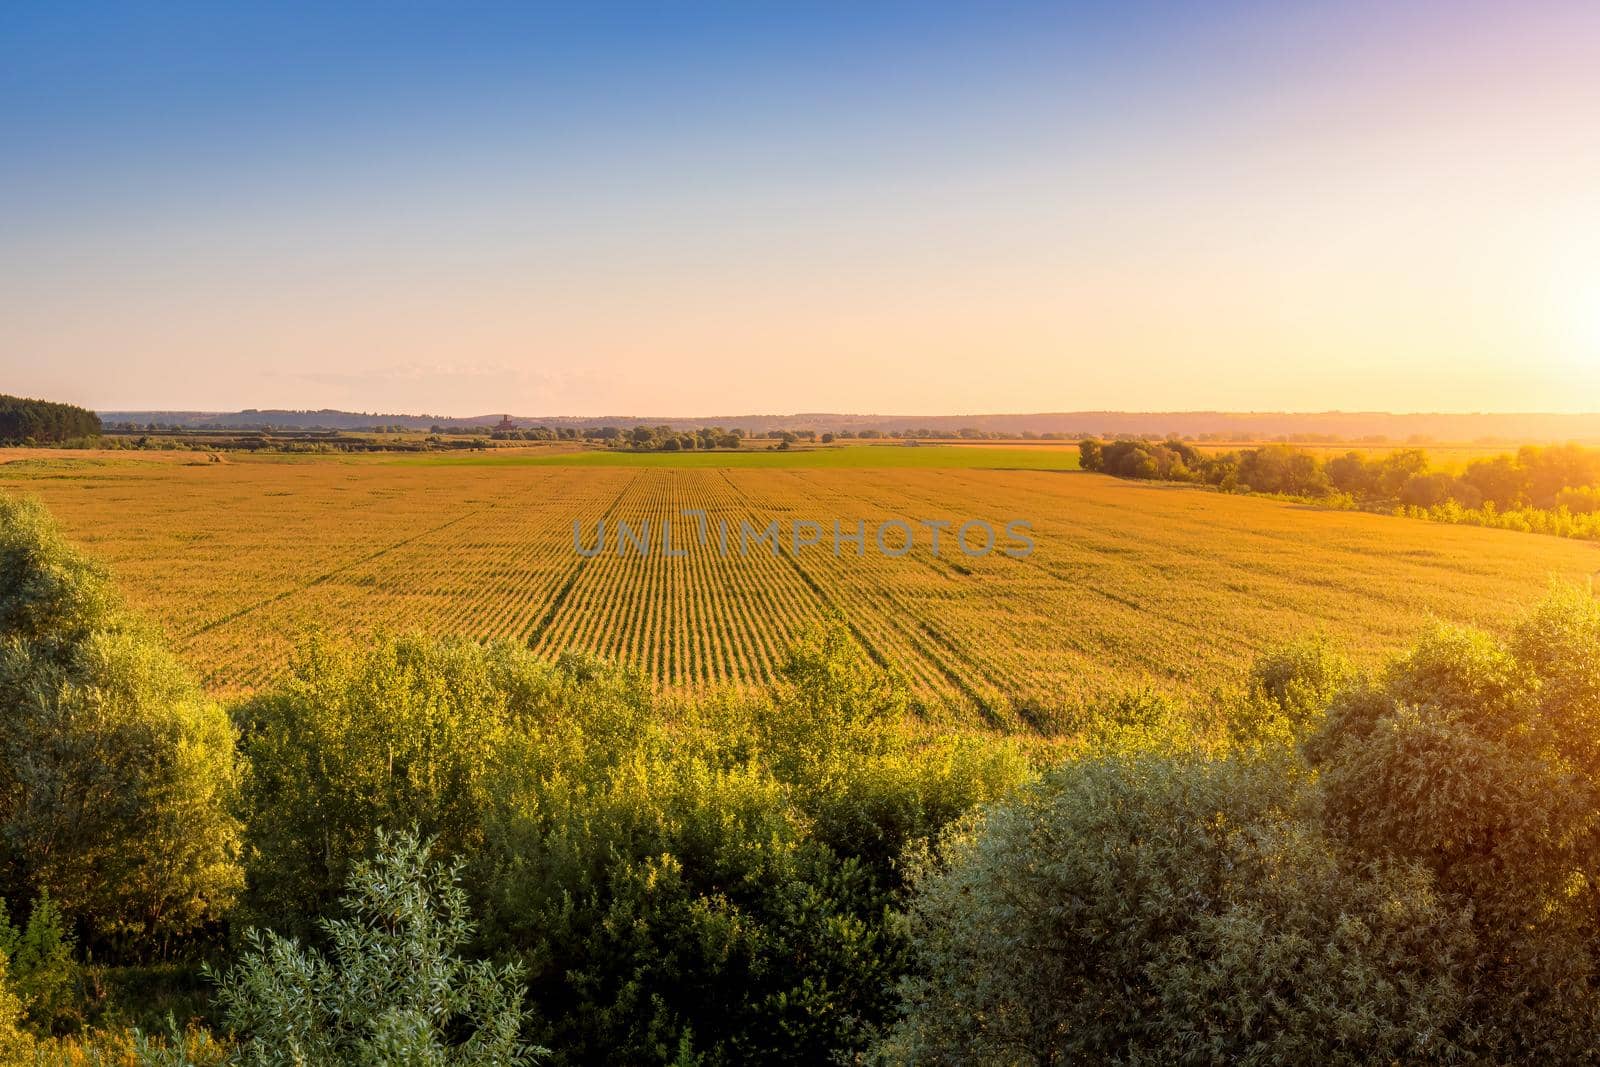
(16, 1044)
(392, 990)
(1151, 908)
(713, 883)
(117, 775)
(1479, 761)
(1324, 867)
(1415, 881)
(43, 973)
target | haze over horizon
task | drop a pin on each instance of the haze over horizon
(781, 413)
(903, 209)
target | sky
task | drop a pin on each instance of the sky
(912, 208)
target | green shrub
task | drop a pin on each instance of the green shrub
(393, 990)
(16, 1044)
(1152, 908)
(402, 734)
(51, 596)
(44, 975)
(116, 773)
(711, 881)
(1427, 895)
(1289, 691)
(1476, 759)
(716, 884)
(124, 1047)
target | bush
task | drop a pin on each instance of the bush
(1292, 685)
(1172, 460)
(51, 596)
(177, 1047)
(116, 773)
(16, 1044)
(712, 880)
(1427, 895)
(1426, 490)
(718, 888)
(402, 734)
(1158, 908)
(1090, 454)
(393, 992)
(44, 975)
(1354, 475)
(1477, 759)
(1500, 481)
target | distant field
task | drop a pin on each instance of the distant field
(1130, 583)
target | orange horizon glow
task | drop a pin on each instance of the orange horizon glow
(1280, 209)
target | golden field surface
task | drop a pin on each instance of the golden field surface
(1130, 583)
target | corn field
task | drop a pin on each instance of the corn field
(1129, 584)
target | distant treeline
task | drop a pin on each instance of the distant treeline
(397, 437)
(1552, 489)
(1366, 427)
(24, 421)
(665, 438)
(645, 438)
(296, 441)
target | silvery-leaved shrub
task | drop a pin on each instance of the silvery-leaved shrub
(392, 988)
(1159, 907)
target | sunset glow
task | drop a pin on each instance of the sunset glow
(1368, 206)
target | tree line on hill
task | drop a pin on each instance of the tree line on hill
(27, 422)
(641, 438)
(1364, 427)
(665, 438)
(426, 850)
(1563, 479)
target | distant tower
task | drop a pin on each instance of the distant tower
(505, 423)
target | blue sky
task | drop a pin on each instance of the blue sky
(686, 209)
